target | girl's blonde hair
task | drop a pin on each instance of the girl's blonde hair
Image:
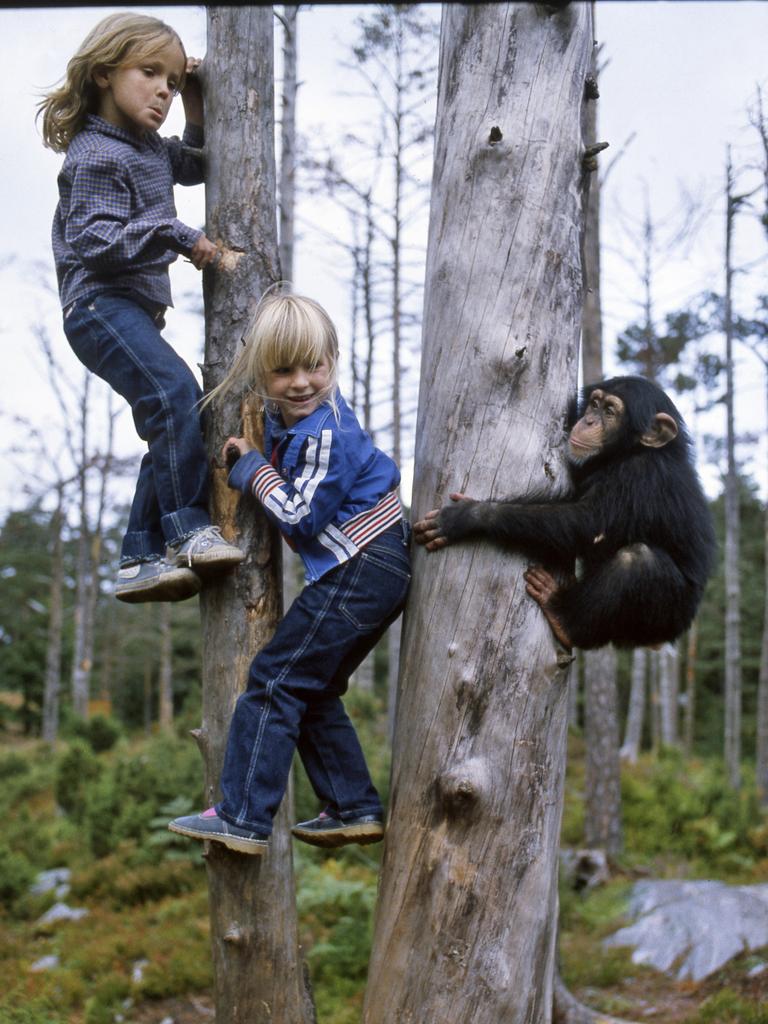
(286, 330)
(123, 38)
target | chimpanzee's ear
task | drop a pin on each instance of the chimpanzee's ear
(662, 431)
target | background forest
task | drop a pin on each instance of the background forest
(668, 755)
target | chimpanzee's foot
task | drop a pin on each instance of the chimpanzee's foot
(542, 587)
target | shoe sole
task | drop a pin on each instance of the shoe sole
(208, 563)
(330, 839)
(254, 847)
(177, 588)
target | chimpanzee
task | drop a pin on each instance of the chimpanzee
(638, 522)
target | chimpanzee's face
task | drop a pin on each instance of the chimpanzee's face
(599, 426)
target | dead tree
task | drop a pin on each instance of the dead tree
(466, 919)
(602, 817)
(258, 975)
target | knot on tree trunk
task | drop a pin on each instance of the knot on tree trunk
(237, 935)
(463, 789)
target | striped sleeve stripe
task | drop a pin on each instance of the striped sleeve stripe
(363, 527)
(265, 480)
(341, 547)
(269, 486)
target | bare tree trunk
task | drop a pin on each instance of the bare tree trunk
(573, 692)
(81, 669)
(466, 917)
(287, 184)
(761, 765)
(52, 687)
(732, 747)
(258, 975)
(96, 543)
(654, 702)
(690, 684)
(760, 122)
(602, 822)
(165, 675)
(602, 812)
(668, 694)
(630, 750)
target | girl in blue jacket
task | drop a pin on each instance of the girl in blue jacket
(333, 496)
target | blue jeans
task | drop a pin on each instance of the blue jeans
(120, 341)
(293, 698)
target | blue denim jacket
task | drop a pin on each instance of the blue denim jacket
(324, 484)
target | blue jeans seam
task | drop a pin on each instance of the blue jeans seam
(255, 750)
(160, 391)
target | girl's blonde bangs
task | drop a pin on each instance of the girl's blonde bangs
(292, 331)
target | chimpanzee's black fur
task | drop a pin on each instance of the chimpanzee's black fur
(638, 521)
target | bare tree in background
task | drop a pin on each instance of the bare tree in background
(732, 738)
(633, 732)
(88, 453)
(466, 916)
(602, 806)
(287, 178)
(760, 123)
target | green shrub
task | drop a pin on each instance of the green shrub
(12, 764)
(16, 875)
(76, 770)
(101, 732)
(338, 911)
(671, 808)
(727, 1007)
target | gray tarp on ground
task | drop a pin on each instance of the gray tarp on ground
(693, 927)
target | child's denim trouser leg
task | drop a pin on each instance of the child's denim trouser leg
(295, 685)
(119, 341)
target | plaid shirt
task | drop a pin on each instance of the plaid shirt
(115, 226)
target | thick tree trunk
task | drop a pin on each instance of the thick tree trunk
(630, 750)
(258, 975)
(602, 817)
(466, 918)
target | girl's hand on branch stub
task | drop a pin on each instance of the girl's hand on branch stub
(203, 253)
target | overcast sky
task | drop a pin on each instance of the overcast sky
(678, 76)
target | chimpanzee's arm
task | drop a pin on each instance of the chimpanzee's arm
(560, 529)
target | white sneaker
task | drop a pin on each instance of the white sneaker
(206, 550)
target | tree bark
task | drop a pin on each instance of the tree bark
(258, 975)
(466, 917)
(633, 735)
(602, 812)
(287, 185)
(602, 823)
(668, 694)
